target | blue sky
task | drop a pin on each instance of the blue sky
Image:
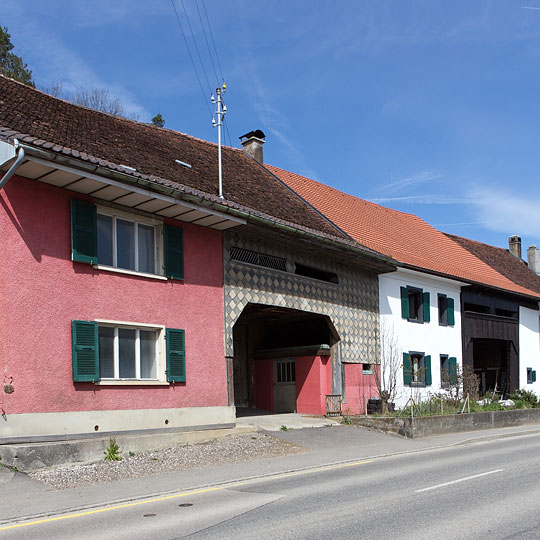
(429, 107)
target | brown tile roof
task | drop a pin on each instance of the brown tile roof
(404, 237)
(503, 261)
(52, 124)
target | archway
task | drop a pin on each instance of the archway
(283, 359)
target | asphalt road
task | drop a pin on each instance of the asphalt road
(487, 489)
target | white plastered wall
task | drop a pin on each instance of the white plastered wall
(529, 347)
(428, 338)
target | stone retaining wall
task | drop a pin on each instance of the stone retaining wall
(425, 426)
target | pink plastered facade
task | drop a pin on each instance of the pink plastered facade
(42, 291)
(313, 383)
(359, 388)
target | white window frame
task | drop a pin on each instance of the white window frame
(160, 352)
(157, 224)
(420, 373)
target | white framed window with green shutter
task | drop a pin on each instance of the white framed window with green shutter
(416, 369)
(115, 240)
(114, 352)
(415, 304)
(445, 306)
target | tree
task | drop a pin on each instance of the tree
(12, 65)
(461, 383)
(390, 368)
(158, 120)
(99, 99)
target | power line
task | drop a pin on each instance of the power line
(227, 131)
(197, 48)
(213, 42)
(207, 44)
(191, 58)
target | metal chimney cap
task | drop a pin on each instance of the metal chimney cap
(257, 133)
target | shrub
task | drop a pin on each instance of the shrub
(527, 396)
(112, 452)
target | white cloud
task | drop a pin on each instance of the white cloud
(503, 211)
(271, 117)
(415, 179)
(422, 199)
(390, 107)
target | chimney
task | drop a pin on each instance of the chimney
(532, 258)
(514, 243)
(253, 144)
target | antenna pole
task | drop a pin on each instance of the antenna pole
(220, 113)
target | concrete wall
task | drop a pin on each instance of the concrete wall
(31, 457)
(429, 338)
(43, 291)
(529, 347)
(426, 426)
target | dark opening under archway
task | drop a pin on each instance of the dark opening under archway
(271, 332)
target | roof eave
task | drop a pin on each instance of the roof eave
(466, 281)
(381, 263)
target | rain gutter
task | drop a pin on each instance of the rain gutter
(11, 171)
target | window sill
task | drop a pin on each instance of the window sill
(128, 272)
(132, 383)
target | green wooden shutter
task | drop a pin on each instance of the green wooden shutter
(176, 355)
(426, 306)
(83, 232)
(534, 375)
(450, 312)
(84, 346)
(452, 370)
(407, 369)
(427, 370)
(174, 252)
(404, 303)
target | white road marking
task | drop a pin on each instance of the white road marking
(459, 480)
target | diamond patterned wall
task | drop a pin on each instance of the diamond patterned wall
(352, 304)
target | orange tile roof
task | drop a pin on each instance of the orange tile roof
(404, 237)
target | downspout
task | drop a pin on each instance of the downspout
(20, 156)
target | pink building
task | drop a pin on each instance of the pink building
(122, 313)
(128, 282)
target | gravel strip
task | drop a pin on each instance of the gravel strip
(232, 449)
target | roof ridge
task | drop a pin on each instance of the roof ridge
(114, 116)
(452, 236)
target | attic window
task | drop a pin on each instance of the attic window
(183, 163)
(476, 308)
(259, 259)
(316, 273)
(506, 313)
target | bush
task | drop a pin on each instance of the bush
(520, 404)
(527, 396)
